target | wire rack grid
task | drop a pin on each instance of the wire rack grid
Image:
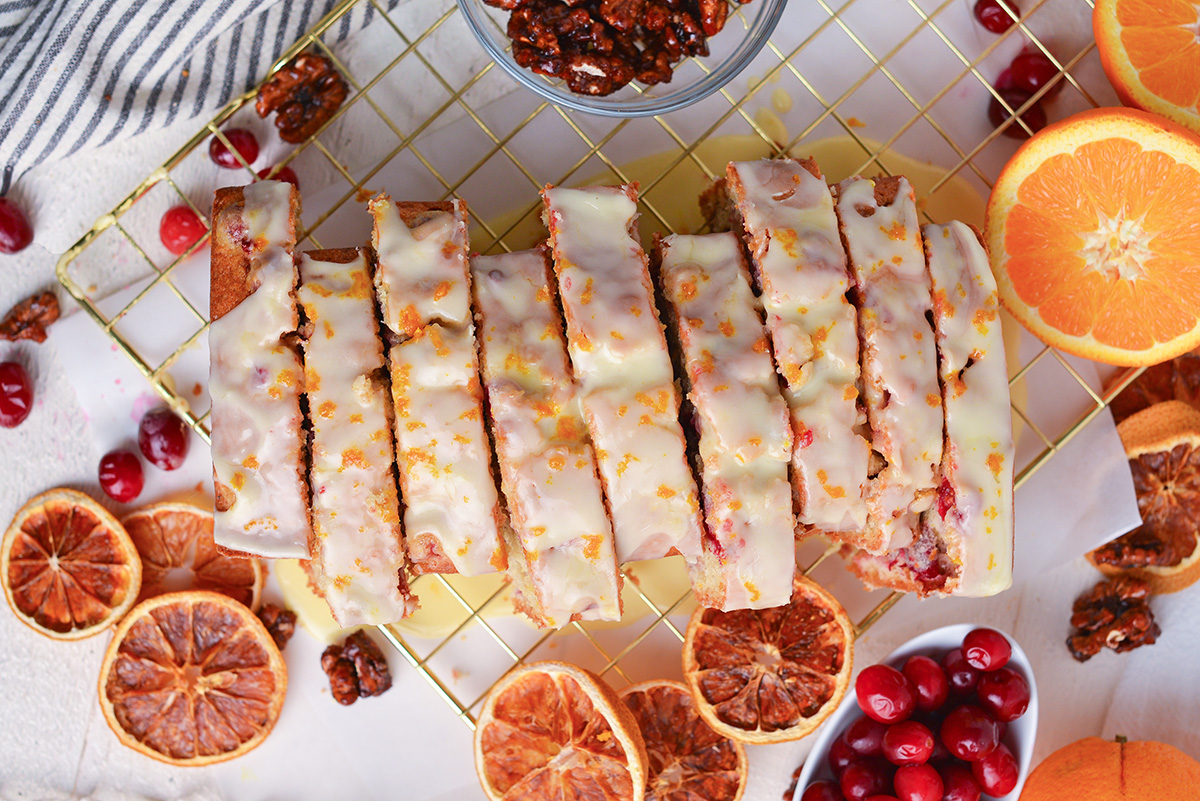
(443, 126)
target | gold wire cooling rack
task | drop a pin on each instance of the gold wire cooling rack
(446, 126)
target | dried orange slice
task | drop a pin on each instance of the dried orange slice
(192, 678)
(1092, 234)
(1163, 446)
(1151, 54)
(688, 760)
(550, 730)
(175, 541)
(69, 569)
(770, 675)
(1177, 379)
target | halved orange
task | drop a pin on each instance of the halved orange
(192, 678)
(175, 541)
(770, 675)
(68, 567)
(550, 730)
(1093, 236)
(688, 760)
(1151, 54)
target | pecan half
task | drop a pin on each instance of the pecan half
(280, 623)
(29, 318)
(1114, 614)
(304, 95)
(356, 668)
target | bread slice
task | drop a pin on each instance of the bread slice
(964, 542)
(562, 558)
(452, 511)
(878, 219)
(785, 211)
(620, 361)
(256, 377)
(358, 559)
(745, 435)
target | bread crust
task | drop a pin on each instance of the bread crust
(230, 281)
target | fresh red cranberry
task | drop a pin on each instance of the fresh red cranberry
(16, 394)
(15, 231)
(882, 798)
(866, 778)
(1034, 117)
(997, 772)
(959, 782)
(962, 677)
(163, 439)
(940, 752)
(841, 755)
(970, 733)
(180, 229)
(929, 680)
(1031, 71)
(993, 14)
(986, 649)
(121, 476)
(907, 743)
(242, 140)
(865, 737)
(282, 174)
(1004, 694)
(885, 694)
(918, 783)
(823, 790)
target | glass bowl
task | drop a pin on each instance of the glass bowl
(1019, 735)
(746, 31)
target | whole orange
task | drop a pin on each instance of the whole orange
(1103, 770)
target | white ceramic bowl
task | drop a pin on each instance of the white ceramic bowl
(1019, 737)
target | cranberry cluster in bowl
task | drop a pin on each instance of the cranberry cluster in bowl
(951, 714)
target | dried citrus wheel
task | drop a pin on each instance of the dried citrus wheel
(770, 675)
(177, 538)
(1176, 379)
(69, 569)
(1151, 55)
(1163, 446)
(688, 760)
(1092, 234)
(192, 678)
(550, 730)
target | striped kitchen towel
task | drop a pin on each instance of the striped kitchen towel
(75, 74)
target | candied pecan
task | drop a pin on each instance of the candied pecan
(1114, 614)
(304, 95)
(690, 33)
(622, 14)
(656, 16)
(712, 15)
(654, 65)
(343, 681)
(280, 623)
(593, 74)
(507, 5)
(529, 26)
(542, 63)
(374, 678)
(29, 318)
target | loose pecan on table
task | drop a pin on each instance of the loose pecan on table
(356, 668)
(280, 623)
(1114, 614)
(304, 94)
(29, 318)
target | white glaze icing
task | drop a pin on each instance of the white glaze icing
(444, 458)
(899, 359)
(547, 465)
(745, 431)
(792, 231)
(358, 558)
(422, 273)
(978, 462)
(620, 360)
(255, 383)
